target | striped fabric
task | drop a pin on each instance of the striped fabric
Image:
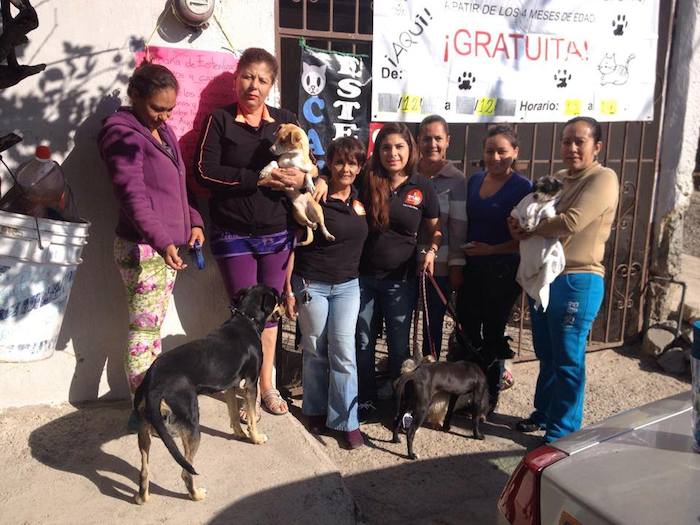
(451, 187)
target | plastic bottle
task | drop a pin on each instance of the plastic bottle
(42, 183)
(34, 170)
(695, 392)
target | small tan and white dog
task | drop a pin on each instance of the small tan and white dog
(292, 146)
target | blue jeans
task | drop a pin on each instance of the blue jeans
(395, 300)
(327, 323)
(436, 313)
(559, 337)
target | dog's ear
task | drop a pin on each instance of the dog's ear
(297, 137)
(238, 296)
(270, 299)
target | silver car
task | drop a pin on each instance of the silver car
(633, 468)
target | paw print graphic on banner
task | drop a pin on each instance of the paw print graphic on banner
(619, 25)
(562, 78)
(465, 81)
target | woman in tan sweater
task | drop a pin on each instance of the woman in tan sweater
(585, 213)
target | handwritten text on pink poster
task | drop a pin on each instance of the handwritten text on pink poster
(206, 83)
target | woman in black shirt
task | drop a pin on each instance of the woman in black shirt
(323, 289)
(399, 202)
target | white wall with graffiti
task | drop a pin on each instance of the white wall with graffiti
(88, 47)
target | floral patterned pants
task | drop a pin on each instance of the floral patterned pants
(149, 284)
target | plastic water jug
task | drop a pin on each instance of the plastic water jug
(40, 189)
(41, 178)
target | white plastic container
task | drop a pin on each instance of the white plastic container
(37, 268)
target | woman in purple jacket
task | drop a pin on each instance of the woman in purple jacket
(145, 164)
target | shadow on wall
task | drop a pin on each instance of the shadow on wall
(66, 112)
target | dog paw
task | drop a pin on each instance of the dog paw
(396, 439)
(198, 494)
(413, 456)
(239, 434)
(330, 238)
(480, 437)
(140, 500)
(259, 439)
(446, 428)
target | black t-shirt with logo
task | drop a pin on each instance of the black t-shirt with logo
(391, 254)
(338, 261)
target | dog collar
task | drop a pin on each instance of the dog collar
(236, 311)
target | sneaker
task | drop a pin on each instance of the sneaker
(528, 425)
(507, 380)
(366, 411)
(316, 424)
(386, 391)
(354, 439)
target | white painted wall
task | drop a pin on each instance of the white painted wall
(681, 126)
(88, 48)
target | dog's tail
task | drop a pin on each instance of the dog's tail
(309, 237)
(156, 411)
(400, 388)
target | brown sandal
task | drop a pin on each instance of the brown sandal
(273, 402)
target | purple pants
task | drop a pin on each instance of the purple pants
(241, 271)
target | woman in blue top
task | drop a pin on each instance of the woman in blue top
(489, 289)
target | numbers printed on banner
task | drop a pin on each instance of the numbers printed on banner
(572, 106)
(485, 106)
(410, 104)
(608, 106)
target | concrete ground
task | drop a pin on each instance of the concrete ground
(62, 465)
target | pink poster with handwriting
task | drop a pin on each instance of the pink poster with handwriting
(206, 83)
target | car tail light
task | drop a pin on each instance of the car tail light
(520, 499)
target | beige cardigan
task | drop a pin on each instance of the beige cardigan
(586, 211)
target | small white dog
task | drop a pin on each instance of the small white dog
(541, 259)
(292, 146)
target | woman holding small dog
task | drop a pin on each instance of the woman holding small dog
(585, 213)
(399, 202)
(251, 237)
(324, 290)
(489, 290)
(145, 163)
(450, 185)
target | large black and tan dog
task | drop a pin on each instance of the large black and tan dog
(227, 359)
(417, 388)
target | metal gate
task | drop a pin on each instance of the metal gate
(632, 150)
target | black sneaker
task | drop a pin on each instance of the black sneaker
(366, 411)
(528, 425)
(316, 424)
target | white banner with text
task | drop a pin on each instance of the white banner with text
(514, 60)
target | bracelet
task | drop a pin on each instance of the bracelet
(285, 295)
(431, 249)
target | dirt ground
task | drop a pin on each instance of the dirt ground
(458, 479)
